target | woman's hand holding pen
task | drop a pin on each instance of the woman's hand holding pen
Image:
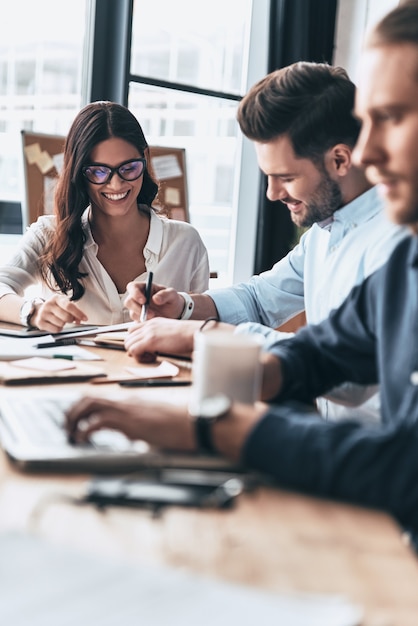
(164, 301)
(53, 314)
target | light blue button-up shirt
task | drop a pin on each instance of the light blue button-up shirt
(316, 276)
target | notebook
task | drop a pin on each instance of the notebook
(33, 436)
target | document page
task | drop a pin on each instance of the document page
(46, 585)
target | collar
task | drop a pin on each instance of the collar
(155, 237)
(326, 224)
(357, 212)
(361, 209)
(89, 243)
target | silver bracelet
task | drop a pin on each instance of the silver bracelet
(188, 306)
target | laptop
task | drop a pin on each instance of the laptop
(33, 435)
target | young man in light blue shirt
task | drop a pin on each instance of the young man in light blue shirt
(300, 120)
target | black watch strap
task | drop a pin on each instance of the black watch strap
(203, 428)
(205, 413)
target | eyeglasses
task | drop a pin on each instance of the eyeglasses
(98, 174)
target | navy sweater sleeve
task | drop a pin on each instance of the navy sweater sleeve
(370, 338)
(370, 466)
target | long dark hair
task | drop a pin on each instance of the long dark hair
(95, 123)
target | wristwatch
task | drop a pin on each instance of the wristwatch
(188, 306)
(205, 413)
(27, 310)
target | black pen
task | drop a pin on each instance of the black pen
(154, 382)
(56, 344)
(148, 291)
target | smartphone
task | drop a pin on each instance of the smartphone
(127, 492)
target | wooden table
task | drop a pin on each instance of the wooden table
(271, 540)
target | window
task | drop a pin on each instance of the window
(41, 76)
(187, 77)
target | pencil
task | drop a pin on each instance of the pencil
(148, 293)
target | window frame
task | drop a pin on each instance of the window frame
(109, 72)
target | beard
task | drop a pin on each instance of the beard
(326, 199)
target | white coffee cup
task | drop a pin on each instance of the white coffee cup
(226, 363)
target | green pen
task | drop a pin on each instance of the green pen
(69, 357)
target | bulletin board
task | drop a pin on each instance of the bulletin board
(169, 167)
(42, 163)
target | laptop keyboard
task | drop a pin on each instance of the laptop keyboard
(33, 434)
(42, 422)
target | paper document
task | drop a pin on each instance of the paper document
(11, 349)
(111, 340)
(64, 587)
(163, 370)
(44, 365)
(97, 330)
(78, 372)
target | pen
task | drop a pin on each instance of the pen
(175, 357)
(148, 289)
(57, 343)
(154, 382)
(69, 357)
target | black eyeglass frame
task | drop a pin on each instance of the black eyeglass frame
(113, 170)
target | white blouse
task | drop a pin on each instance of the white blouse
(174, 252)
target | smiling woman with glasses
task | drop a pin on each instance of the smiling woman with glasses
(105, 232)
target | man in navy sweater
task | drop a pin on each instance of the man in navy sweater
(371, 338)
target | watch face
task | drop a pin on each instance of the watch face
(28, 308)
(213, 407)
(25, 311)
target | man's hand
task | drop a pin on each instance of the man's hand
(160, 334)
(163, 425)
(165, 302)
(53, 314)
